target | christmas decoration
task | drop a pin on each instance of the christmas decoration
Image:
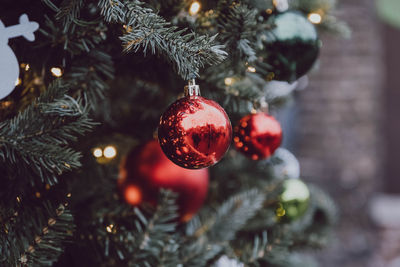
(285, 164)
(9, 67)
(294, 200)
(279, 89)
(257, 135)
(225, 261)
(281, 5)
(146, 169)
(49, 156)
(194, 132)
(292, 47)
(106, 155)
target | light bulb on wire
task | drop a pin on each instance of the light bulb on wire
(314, 18)
(251, 69)
(18, 82)
(194, 8)
(56, 71)
(228, 81)
(97, 152)
(110, 152)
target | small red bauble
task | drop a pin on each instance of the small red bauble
(257, 135)
(195, 132)
(145, 170)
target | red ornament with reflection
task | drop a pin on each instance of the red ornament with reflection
(145, 170)
(195, 132)
(257, 135)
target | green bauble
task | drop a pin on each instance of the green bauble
(294, 200)
(291, 47)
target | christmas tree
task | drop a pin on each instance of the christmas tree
(91, 176)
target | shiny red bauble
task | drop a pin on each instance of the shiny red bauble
(257, 135)
(145, 170)
(195, 132)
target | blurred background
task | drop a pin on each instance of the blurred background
(346, 131)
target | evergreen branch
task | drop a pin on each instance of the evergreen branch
(91, 74)
(333, 25)
(150, 244)
(38, 136)
(33, 220)
(271, 248)
(232, 216)
(152, 33)
(221, 228)
(69, 12)
(314, 229)
(76, 40)
(240, 41)
(49, 245)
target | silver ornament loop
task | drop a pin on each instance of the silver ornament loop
(192, 89)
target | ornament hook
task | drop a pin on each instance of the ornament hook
(192, 89)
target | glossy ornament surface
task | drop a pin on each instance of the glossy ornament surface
(145, 170)
(195, 132)
(291, 47)
(294, 200)
(257, 136)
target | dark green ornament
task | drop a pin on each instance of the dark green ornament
(294, 200)
(291, 47)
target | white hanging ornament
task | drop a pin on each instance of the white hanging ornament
(281, 5)
(225, 261)
(278, 89)
(285, 164)
(9, 67)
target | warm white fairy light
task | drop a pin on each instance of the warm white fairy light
(228, 81)
(194, 8)
(27, 67)
(18, 82)
(56, 71)
(110, 228)
(314, 18)
(110, 152)
(97, 152)
(251, 69)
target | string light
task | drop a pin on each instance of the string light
(56, 71)
(251, 69)
(228, 81)
(133, 195)
(5, 104)
(314, 18)
(194, 8)
(27, 67)
(97, 152)
(127, 28)
(18, 82)
(110, 228)
(110, 152)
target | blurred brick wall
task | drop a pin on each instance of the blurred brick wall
(339, 137)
